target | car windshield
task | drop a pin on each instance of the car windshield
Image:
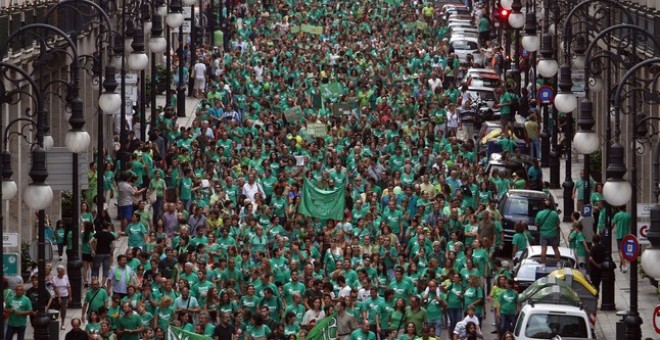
(522, 206)
(484, 95)
(464, 45)
(484, 82)
(547, 326)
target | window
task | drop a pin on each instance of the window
(547, 326)
(521, 318)
(464, 45)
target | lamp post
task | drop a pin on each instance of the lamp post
(516, 21)
(180, 88)
(157, 44)
(82, 8)
(38, 195)
(193, 42)
(547, 68)
(175, 19)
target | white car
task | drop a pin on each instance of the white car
(464, 45)
(549, 320)
(528, 268)
(474, 70)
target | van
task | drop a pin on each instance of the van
(554, 311)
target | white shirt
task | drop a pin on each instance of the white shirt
(61, 285)
(249, 190)
(345, 291)
(200, 70)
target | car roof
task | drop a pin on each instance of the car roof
(481, 88)
(541, 307)
(527, 193)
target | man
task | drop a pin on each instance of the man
(579, 189)
(207, 326)
(621, 227)
(129, 325)
(76, 333)
(373, 310)
(102, 245)
(596, 261)
(119, 277)
(416, 314)
(166, 266)
(18, 307)
(363, 333)
(224, 330)
(505, 108)
(186, 303)
(547, 220)
(95, 298)
(345, 321)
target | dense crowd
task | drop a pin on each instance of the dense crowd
(217, 245)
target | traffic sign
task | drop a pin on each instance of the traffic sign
(545, 94)
(586, 210)
(10, 239)
(630, 247)
(656, 319)
(10, 264)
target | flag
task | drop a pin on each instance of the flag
(175, 333)
(322, 204)
(325, 329)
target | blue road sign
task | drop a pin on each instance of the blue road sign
(586, 210)
(545, 94)
(630, 247)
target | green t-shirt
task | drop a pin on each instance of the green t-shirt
(505, 101)
(186, 188)
(136, 232)
(158, 186)
(621, 222)
(18, 304)
(508, 302)
(131, 322)
(547, 221)
(359, 334)
(96, 299)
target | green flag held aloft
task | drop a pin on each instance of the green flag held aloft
(175, 333)
(322, 204)
(325, 329)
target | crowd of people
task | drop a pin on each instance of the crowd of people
(216, 243)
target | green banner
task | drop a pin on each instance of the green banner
(311, 29)
(325, 329)
(317, 130)
(175, 333)
(421, 25)
(322, 204)
(331, 90)
(295, 29)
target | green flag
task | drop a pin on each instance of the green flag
(331, 90)
(325, 329)
(322, 204)
(175, 333)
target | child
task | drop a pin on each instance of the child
(578, 243)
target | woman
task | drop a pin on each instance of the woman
(94, 324)
(313, 315)
(62, 292)
(164, 313)
(87, 253)
(106, 331)
(259, 330)
(454, 292)
(290, 325)
(410, 332)
(473, 297)
(395, 322)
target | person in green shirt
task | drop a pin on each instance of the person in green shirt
(507, 309)
(547, 221)
(136, 232)
(18, 307)
(621, 224)
(129, 325)
(157, 185)
(363, 333)
(95, 298)
(505, 107)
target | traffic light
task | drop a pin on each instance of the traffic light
(504, 15)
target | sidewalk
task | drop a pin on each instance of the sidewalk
(647, 297)
(122, 243)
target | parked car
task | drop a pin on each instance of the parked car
(528, 268)
(522, 205)
(474, 70)
(486, 80)
(496, 162)
(552, 312)
(491, 132)
(464, 45)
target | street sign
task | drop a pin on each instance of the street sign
(643, 232)
(545, 94)
(579, 83)
(10, 239)
(630, 247)
(586, 210)
(644, 210)
(656, 319)
(10, 264)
